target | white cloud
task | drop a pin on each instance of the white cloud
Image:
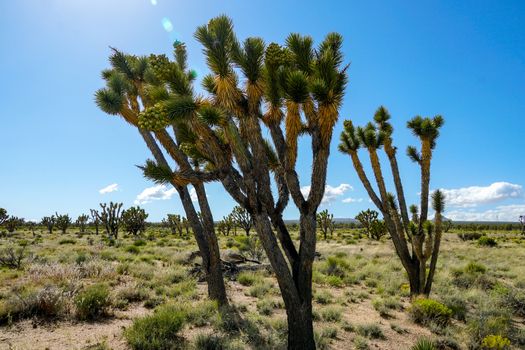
(108, 189)
(475, 195)
(330, 193)
(500, 213)
(352, 200)
(193, 195)
(159, 192)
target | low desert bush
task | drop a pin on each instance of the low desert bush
(331, 314)
(429, 311)
(13, 258)
(371, 331)
(485, 241)
(495, 342)
(159, 331)
(247, 278)
(93, 302)
(210, 342)
(470, 236)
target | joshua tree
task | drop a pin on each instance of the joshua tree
(423, 236)
(134, 220)
(242, 219)
(377, 229)
(226, 225)
(82, 221)
(3, 216)
(12, 223)
(174, 222)
(522, 222)
(298, 84)
(447, 225)
(111, 217)
(49, 222)
(62, 222)
(366, 218)
(31, 225)
(95, 219)
(326, 222)
(133, 88)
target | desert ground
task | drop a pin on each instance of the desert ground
(78, 291)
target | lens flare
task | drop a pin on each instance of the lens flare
(166, 23)
(154, 2)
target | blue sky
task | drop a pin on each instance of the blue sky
(464, 60)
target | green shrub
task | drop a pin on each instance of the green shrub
(371, 331)
(67, 241)
(248, 278)
(92, 302)
(360, 343)
(514, 299)
(489, 320)
(424, 344)
(331, 314)
(335, 281)
(428, 311)
(133, 294)
(47, 303)
(335, 266)
(470, 236)
(496, 342)
(133, 249)
(457, 305)
(473, 274)
(201, 314)
(385, 305)
(210, 342)
(259, 289)
(329, 332)
(140, 243)
(487, 241)
(323, 297)
(266, 306)
(159, 331)
(474, 267)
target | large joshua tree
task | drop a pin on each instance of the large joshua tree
(417, 240)
(132, 88)
(296, 85)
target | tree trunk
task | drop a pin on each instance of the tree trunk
(300, 328)
(296, 286)
(216, 287)
(209, 251)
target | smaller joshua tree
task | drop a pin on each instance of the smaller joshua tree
(62, 222)
(12, 223)
(366, 218)
(377, 230)
(134, 220)
(31, 225)
(174, 222)
(522, 222)
(49, 222)
(226, 225)
(447, 225)
(242, 218)
(417, 240)
(95, 221)
(3, 216)
(81, 222)
(326, 223)
(111, 217)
